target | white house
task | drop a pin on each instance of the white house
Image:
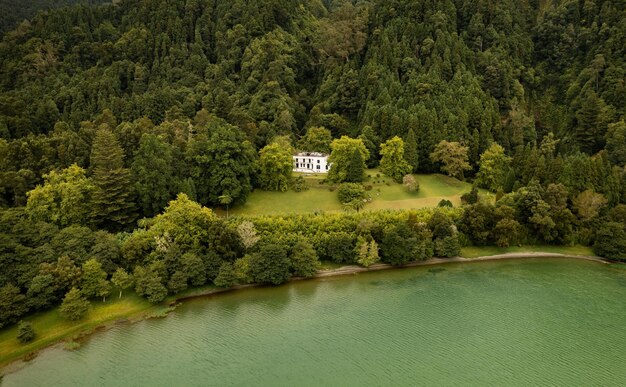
(311, 162)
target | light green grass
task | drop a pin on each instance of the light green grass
(480, 251)
(385, 193)
(50, 327)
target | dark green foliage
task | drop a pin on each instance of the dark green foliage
(398, 245)
(298, 184)
(470, 197)
(12, 305)
(93, 279)
(447, 247)
(304, 261)
(410, 150)
(112, 199)
(177, 282)
(348, 192)
(74, 306)
(221, 163)
(337, 247)
(153, 174)
(441, 225)
(611, 241)
(25, 332)
(445, 203)
(270, 265)
(354, 169)
(12, 13)
(226, 276)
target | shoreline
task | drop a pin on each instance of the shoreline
(19, 362)
(355, 269)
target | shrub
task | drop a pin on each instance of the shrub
(299, 184)
(410, 183)
(25, 332)
(448, 247)
(445, 203)
(470, 197)
(368, 187)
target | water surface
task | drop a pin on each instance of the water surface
(517, 322)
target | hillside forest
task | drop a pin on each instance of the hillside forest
(122, 124)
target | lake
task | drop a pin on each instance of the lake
(510, 322)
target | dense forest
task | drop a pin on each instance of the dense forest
(108, 113)
(13, 12)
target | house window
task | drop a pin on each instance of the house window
(318, 161)
(327, 167)
(318, 167)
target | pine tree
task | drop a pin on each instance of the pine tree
(410, 150)
(74, 305)
(113, 207)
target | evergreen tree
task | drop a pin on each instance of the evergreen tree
(112, 199)
(74, 305)
(25, 332)
(410, 151)
(354, 169)
(153, 174)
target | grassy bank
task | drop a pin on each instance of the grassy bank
(50, 327)
(385, 193)
(485, 251)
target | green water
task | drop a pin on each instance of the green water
(521, 322)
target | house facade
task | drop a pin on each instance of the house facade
(311, 162)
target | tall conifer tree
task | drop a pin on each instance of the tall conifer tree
(113, 207)
(410, 150)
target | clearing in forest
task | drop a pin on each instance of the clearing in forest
(385, 194)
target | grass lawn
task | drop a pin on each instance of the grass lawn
(50, 327)
(386, 194)
(474, 251)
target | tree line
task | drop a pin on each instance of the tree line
(188, 245)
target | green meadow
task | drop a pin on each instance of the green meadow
(385, 194)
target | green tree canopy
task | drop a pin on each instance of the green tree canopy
(392, 162)
(64, 199)
(494, 166)
(453, 157)
(342, 159)
(275, 165)
(316, 139)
